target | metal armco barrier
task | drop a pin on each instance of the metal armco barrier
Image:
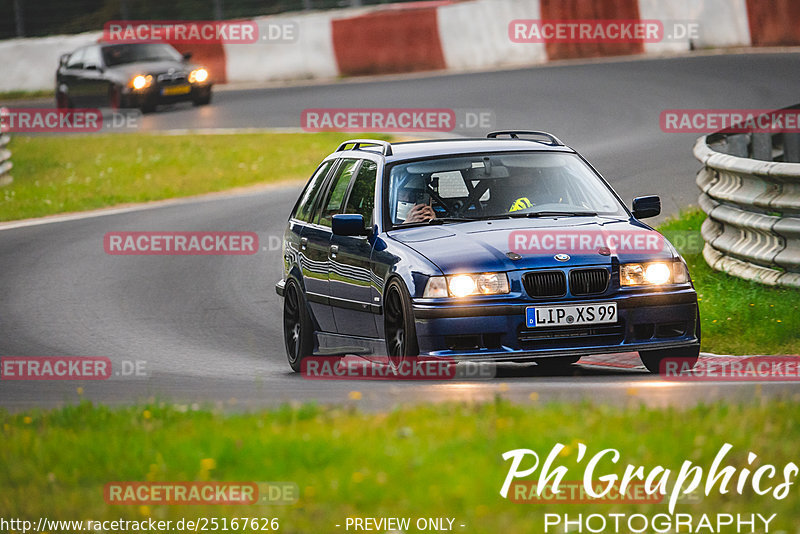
(751, 192)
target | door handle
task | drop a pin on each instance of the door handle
(303, 243)
(334, 250)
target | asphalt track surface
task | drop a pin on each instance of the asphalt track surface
(208, 329)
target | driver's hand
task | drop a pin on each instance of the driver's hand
(420, 213)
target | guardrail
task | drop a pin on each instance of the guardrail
(750, 187)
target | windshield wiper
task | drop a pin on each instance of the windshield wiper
(535, 214)
(437, 220)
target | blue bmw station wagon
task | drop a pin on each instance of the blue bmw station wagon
(509, 248)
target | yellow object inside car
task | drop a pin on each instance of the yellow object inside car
(520, 204)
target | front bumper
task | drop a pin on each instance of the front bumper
(154, 95)
(495, 330)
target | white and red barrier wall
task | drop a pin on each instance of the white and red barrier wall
(433, 35)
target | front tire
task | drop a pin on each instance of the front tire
(203, 98)
(399, 327)
(298, 333)
(148, 106)
(115, 98)
(63, 101)
(655, 360)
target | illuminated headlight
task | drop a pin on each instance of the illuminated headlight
(653, 274)
(198, 75)
(464, 285)
(141, 82)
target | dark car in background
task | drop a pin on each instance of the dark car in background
(130, 75)
(426, 248)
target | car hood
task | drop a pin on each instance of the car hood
(129, 70)
(484, 246)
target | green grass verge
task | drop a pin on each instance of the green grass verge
(66, 174)
(434, 461)
(737, 316)
(6, 96)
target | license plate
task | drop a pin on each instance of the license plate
(176, 90)
(597, 313)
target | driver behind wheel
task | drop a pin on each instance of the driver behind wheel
(411, 206)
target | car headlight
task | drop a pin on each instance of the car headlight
(464, 285)
(655, 273)
(141, 82)
(198, 75)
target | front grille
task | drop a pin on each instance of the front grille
(545, 284)
(588, 281)
(171, 78)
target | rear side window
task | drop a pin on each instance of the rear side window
(362, 196)
(306, 204)
(336, 192)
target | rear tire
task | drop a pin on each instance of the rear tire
(298, 334)
(399, 327)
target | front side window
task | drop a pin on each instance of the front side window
(336, 192)
(485, 186)
(362, 196)
(311, 192)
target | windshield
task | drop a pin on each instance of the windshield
(133, 53)
(497, 186)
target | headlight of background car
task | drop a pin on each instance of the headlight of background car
(465, 285)
(141, 82)
(198, 75)
(655, 273)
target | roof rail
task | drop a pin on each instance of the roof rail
(386, 147)
(514, 134)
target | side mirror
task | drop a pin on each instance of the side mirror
(187, 56)
(644, 207)
(62, 61)
(349, 224)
